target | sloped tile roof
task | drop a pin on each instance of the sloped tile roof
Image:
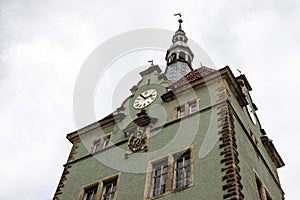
(194, 75)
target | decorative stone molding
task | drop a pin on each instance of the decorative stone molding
(229, 155)
(139, 139)
(138, 131)
(63, 178)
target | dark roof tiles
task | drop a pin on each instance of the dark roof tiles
(194, 75)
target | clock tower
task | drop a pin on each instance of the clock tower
(188, 133)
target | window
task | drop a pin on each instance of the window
(180, 112)
(109, 190)
(169, 174)
(187, 108)
(268, 196)
(259, 188)
(183, 171)
(96, 146)
(90, 193)
(193, 107)
(106, 140)
(101, 143)
(160, 173)
(263, 194)
(102, 189)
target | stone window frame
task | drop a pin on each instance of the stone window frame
(253, 137)
(193, 102)
(178, 109)
(171, 159)
(100, 183)
(186, 107)
(100, 142)
(264, 193)
(159, 164)
(183, 168)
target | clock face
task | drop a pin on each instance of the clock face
(145, 99)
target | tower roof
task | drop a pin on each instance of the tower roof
(179, 56)
(194, 75)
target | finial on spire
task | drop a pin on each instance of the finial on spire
(150, 61)
(179, 20)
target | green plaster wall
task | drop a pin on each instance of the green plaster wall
(207, 178)
(176, 135)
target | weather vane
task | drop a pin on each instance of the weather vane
(179, 14)
(150, 61)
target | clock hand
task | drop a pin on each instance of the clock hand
(151, 95)
(143, 96)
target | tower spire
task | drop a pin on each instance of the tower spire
(179, 56)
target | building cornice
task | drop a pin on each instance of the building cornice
(106, 121)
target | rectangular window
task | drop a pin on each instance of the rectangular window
(90, 193)
(182, 171)
(102, 189)
(170, 174)
(109, 190)
(193, 107)
(100, 143)
(106, 140)
(96, 146)
(180, 112)
(160, 173)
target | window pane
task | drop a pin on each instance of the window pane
(156, 192)
(183, 171)
(160, 178)
(179, 175)
(114, 188)
(157, 183)
(109, 190)
(187, 160)
(179, 184)
(180, 112)
(90, 193)
(163, 189)
(165, 169)
(179, 163)
(96, 146)
(105, 142)
(193, 107)
(157, 172)
(164, 180)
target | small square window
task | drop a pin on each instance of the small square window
(101, 143)
(180, 112)
(193, 107)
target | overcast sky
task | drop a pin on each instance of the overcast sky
(44, 44)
